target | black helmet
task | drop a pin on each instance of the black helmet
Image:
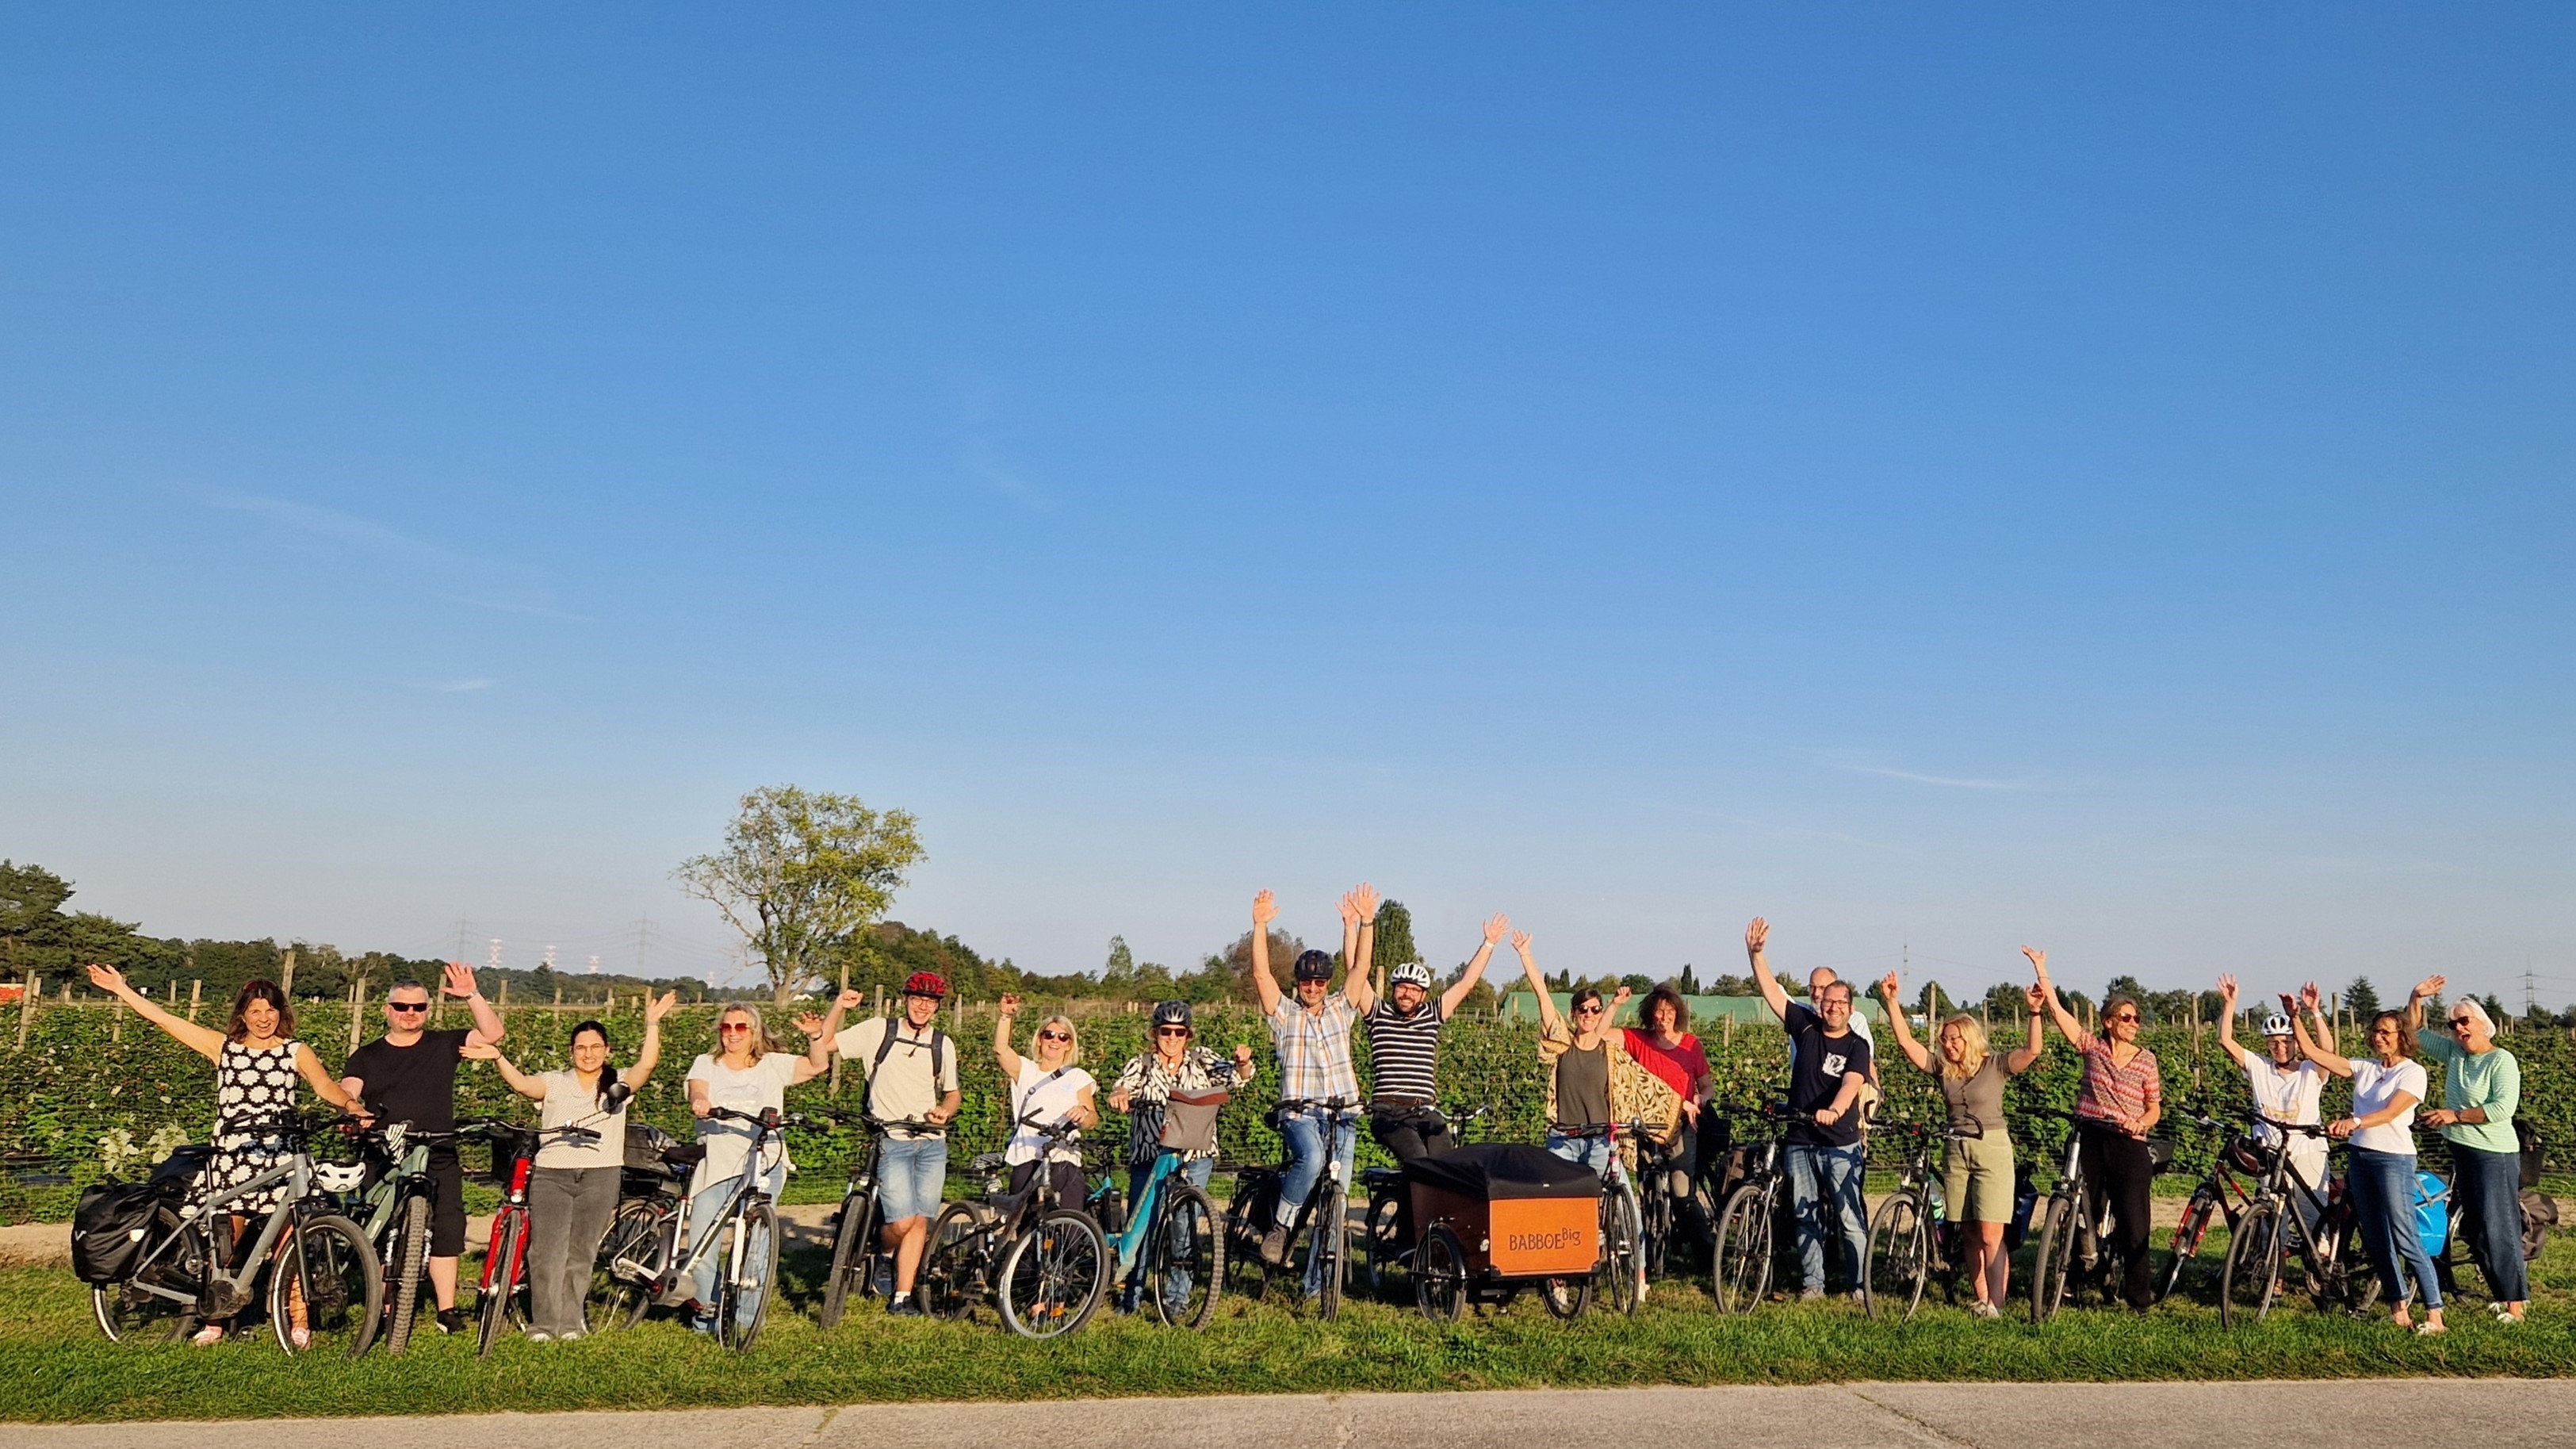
(1171, 1013)
(1314, 966)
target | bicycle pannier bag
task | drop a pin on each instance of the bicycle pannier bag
(110, 1228)
(1189, 1123)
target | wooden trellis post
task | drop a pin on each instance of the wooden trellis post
(27, 1007)
(196, 996)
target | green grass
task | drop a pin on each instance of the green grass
(55, 1367)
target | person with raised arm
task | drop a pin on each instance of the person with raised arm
(409, 1075)
(257, 1062)
(572, 1193)
(1312, 1037)
(1662, 1043)
(1830, 1064)
(2387, 1086)
(1404, 1039)
(1977, 1180)
(2287, 1088)
(1046, 1087)
(911, 1071)
(1172, 1065)
(746, 1073)
(2120, 1101)
(2481, 1091)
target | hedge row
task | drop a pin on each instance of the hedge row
(72, 1084)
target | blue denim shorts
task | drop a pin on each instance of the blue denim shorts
(911, 1176)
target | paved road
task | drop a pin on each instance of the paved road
(2504, 1413)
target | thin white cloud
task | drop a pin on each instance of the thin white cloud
(331, 523)
(1851, 763)
(462, 686)
(488, 583)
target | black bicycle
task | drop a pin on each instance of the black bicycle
(1745, 1254)
(859, 1255)
(2289, 1226)
(1618, 1273)
(1320, 1224)
(1044, 1262)
(1912, 1242)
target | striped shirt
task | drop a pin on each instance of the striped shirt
(2114, 1093)
(1404, 1052)
(1315, 1050)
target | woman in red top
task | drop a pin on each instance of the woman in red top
(1666, 1048)
(2122, 1097)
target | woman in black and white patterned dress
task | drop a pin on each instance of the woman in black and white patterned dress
(257, 1060)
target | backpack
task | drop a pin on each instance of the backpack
(110, 1228)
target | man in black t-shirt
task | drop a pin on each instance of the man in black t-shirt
(1829, 1066)
(409, 1075)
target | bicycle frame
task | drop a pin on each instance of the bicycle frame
(1130, 1240)
(200, 1218)
(745, 1186)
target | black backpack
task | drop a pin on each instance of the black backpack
(111, 1227)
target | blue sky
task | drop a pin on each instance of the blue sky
(2097, 477)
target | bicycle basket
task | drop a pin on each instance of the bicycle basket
(2432, 1213)
(1189, 1123)
(2160, 1153)
(109, 1226)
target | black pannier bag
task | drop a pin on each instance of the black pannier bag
(110, 1229)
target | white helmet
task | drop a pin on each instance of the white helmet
(1412, 971)
(2276, 1025)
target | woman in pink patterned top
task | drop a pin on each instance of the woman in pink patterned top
(2122, 1097)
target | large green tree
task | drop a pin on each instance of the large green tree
(800, 875)
(29, 895)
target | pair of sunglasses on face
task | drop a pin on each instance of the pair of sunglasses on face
(407, 1006)
(1055, 1036)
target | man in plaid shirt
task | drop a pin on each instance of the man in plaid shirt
(1313, 1036)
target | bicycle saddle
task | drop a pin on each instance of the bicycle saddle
(1381, 1176)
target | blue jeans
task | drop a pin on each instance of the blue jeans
(1816, 1173)
(1591, 1152)
(704, 1204)
(1305, 1136)
(911, 1175)
(2486, 1198)
(1176, 1289)
(2383, 1199)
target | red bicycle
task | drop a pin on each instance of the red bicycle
(501, 1295)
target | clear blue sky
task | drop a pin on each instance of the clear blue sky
(2097, 476)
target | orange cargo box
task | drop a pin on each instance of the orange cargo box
(1528, 1237)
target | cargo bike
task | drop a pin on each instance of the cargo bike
(1500, 1217)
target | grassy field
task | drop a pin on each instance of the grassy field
(55, 1367)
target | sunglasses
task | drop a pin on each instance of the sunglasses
(2123, 1016)
(1587, 1011)
(735, 1026)
(2460, 1023)
(1171, 1031)
(1055, 1036)
(407, 1006)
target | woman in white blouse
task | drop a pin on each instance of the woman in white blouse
(1047, 1086)
(2386, 1087)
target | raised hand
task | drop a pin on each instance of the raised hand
(1620, 998)
(457, 979)
(1521, 943)
(107, 979)
(2430, 987)
(1242, 1059)
(1350, 910)
(1366, 898)
(1756, 936)
(480, 1050)
(2311, 998)
(2038, 961)
(850, 1000)
(1497, 928)
(1265, 909)
(1889, 987)
(810, 1023)
(1010, 1004)
(657, 1007)
(2037, 997)
(2227, 992)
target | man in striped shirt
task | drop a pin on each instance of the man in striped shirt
(1404, 1040)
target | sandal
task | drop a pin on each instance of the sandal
(2428, 1330)
(208, 1336)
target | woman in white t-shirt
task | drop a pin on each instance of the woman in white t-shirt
(1044, 1091)
(2286, 1088)
(572, 1194)
(745, 1073)
(2385, 1090)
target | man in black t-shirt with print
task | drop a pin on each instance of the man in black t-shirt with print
(409, 1075)
(1828, 1068)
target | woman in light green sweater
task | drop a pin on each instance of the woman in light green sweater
(2481, 1087)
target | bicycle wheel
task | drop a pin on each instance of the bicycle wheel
(128, 1313)
(1567, 1298)
(1900, 1252)
(1742, 1271)
(1053, 1277)
(1328, 1246)
(1185, 1257)
(1246, 1274)
(742, 1301)
(504, 1263)
(630, 1258)
(958, 1243)
(2188, 1235)
(1440, 1275)
(326, 1269)
(852, 1238)
(2253, 1273)
(1616, 1279)
(1385, 1249)
(2055, 1263)
(404, 1269)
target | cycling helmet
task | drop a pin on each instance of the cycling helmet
(1411, 971)
(1314, 966)
(1171, 1013)
(926, 983)
(2276, 1025)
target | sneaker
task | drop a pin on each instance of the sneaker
(905, 1305)
(539, 1335)
(1860, 1298)
(1982, 1309)
(1811, 1295)
(1274, 1247)
(2428, 1330)
(883, 1282)
(703, 1323)
(451, 1320)
(208, 1336)
(569, 1335)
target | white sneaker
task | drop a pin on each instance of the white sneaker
(539, 1335)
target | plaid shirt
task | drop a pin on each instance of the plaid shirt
(1315, 1050)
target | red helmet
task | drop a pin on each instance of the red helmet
(926, 983)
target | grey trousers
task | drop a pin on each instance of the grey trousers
(568, 1213)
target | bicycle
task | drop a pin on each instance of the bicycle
(1615, 1275)
(2330, 1255)
(1744, 1256)
(2218, 1194)
(314, 1259)
(1911, 1239)
(393, 1211)
(500, 1297)
(646, 1260)
(859, 1255)
(1322, 1219)
(1382, 1245)
(1660, 1209)
(1170, 1243)
(2075, 1254)
(652, 1188)
(1046, 1264)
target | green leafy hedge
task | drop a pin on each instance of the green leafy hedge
(72, 1085)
